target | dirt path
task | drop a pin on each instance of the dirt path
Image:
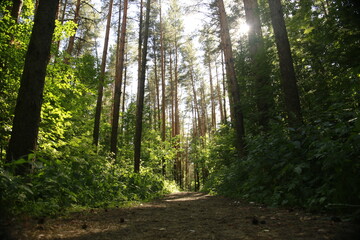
(188, 216)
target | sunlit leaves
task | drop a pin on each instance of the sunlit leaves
(65, 30)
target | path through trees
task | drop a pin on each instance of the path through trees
(188, 215)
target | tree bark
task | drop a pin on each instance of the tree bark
(219, 95)
(118, 83)
(288, 78)
(212, 97)
(71, 43)
(259, 64)
(224, 85)
(102, 78)
(158, 125)
(163, 100)
(141, 93)
(16, 10)
(233, 86)
(28, 107)
(140, 38)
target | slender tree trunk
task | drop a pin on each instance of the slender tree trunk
(124, 95)
(71, 43)
(196, 104)
(219, 95)
(157, 86)
(28, 107)
(212, 98)
(172, 93)
(259, 64)
(62, 21)
(204, 114)
(287, 71)
(233, 86)
(163, 100)
(102, 78)
(141, 93)
(177, 117)
(118, 83)
(140, 38)
(224, 84)
(16, 10)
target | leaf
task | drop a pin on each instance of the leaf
(298, 169)
(309, 30)
(17, 162)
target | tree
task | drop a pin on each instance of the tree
(27, 112)
(233, 85)
(259, 65)
(288, 78)
(16, 9)
(118, 83)
(71, 42)
(102, 78)
(163, 90)
(140, 95)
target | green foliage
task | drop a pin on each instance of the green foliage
(63, 31)
(75, 175)
(316, 167)
(14, 39)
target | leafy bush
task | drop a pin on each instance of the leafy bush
(76, 176)
(315, 166)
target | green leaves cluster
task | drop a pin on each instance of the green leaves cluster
(316, 168)
(76, 175)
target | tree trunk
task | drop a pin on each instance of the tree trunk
(224, 84)
(158, 126)
(141, 93)
(16, 10)
(28, 107)
(259, 65)
(163, 102)
(212, 97)
(288, 78)
(233, 86)
(196, 103)
(71, 43)
(177, 117)
(102, 78)
(118, 83)
(62, 22)
(140, 38)
(219, 95)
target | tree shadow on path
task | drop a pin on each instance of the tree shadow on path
(188, 215)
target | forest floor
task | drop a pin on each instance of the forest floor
(188, 215)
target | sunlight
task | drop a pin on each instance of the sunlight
(244, 28)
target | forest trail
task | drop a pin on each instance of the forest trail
(188, 215)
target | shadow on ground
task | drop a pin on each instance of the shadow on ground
(188, 215)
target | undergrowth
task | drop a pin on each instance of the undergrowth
(76, 177)
(315, 167)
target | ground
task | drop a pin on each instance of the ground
(188, 215)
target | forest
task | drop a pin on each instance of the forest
(110, 102)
